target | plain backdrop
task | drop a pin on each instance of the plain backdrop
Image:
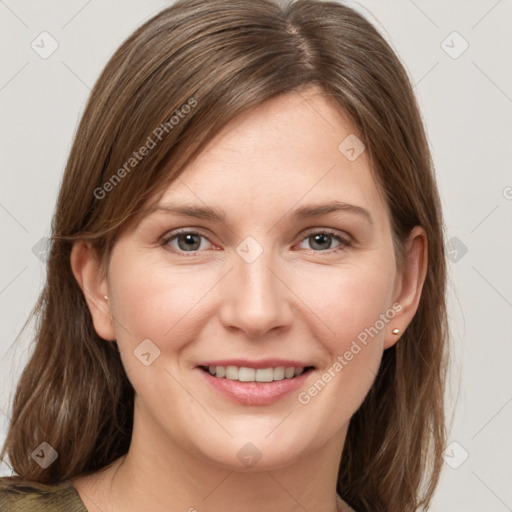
(458, 56)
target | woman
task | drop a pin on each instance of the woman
(244, 307)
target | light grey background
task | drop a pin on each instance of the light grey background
(466, 101)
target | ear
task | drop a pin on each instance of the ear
(409, 284)
(90, 276)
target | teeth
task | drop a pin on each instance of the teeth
(244, 374)
(264, 375)
(231, 372)
(290, 372)
(279, 373)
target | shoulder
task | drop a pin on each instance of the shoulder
(18, 495)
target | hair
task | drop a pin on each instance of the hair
(184, 75)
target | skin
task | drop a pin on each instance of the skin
(300, 299)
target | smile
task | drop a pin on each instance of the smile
(246, 374)
(254, 383)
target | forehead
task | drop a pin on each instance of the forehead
(280, 154)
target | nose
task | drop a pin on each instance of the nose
(256, 299)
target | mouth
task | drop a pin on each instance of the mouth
(248, 374)
(250, 383)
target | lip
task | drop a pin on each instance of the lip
(262, 363)
(254, 393)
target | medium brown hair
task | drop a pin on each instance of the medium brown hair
(222, 59)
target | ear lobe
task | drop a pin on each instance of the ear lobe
(90, 276)
(410, 282)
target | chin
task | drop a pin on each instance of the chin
(246, 453)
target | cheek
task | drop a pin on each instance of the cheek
(158, 302)
(349, 299)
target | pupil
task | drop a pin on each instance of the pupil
(319, 239)
(189, 244)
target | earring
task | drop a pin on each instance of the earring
(106, 298)
(395, 331)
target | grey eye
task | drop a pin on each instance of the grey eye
(189, 241)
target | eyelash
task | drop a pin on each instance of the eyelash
(345, 243)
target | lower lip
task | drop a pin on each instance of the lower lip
(254, 393)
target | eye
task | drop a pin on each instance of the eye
(185, 241)
(323, 240)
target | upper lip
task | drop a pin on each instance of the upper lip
(262, 363)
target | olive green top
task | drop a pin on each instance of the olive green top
(18, 495)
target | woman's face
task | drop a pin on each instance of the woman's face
(284, 260)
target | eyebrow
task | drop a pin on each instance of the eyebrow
(302, 213)
(305, 212)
